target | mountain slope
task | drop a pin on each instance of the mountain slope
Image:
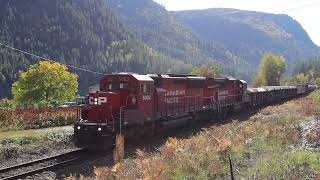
(83, 33)
(158, 28)
(251, 34)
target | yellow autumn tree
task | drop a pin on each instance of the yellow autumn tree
(45, 84)
(271, 70)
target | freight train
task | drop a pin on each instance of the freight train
(135, 104)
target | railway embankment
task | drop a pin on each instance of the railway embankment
(281, 141)
(26, 145)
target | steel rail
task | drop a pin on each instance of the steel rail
(38, 161)
(39, 170)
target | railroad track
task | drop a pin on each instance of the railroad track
(24, 170)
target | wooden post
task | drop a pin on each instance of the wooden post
(231, 169)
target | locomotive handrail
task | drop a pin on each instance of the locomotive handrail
(120, 124)
(191, 102)
(184, 104)
(120, 114)
(113, 121)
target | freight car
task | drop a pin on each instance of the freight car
(135, 104)
(270, 94)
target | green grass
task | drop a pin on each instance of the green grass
(18, 143)
(20, 134)
(304, 157)
(284, 163)
(13, 143)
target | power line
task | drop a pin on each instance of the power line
(301, 7)
(225, 13)
(283, 11)
(50, 60)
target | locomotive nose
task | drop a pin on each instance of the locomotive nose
(102, 106)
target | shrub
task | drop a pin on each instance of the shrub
(36, 118)
(118, 153)
(6, 103)
(58, 136)
(315, 95)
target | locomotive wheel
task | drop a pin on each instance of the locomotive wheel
(199, 118)
(224, 113)
(148, 130)
(192, 120)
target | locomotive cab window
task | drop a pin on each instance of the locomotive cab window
(146, 88)
(124, 86)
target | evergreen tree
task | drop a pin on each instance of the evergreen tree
(207, 70)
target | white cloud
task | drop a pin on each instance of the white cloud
(306, 12)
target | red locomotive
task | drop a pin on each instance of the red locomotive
(136, 104)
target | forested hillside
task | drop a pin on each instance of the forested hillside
(237, 41)
(311, 65)
(83, 33)
(305, 72)
(249, 35)
(142, 36)
(158, 28)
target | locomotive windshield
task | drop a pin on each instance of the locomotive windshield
(146, 89)
(116, 86)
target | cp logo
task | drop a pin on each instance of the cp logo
(97, 101)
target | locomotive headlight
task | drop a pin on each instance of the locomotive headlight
(95, 101)
(78, 127)
(134, 100)
(99, 129)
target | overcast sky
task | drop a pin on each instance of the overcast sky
(306, 12)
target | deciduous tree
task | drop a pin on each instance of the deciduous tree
(45, 84)
(271, 70)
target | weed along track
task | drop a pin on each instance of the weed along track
(45, 164)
